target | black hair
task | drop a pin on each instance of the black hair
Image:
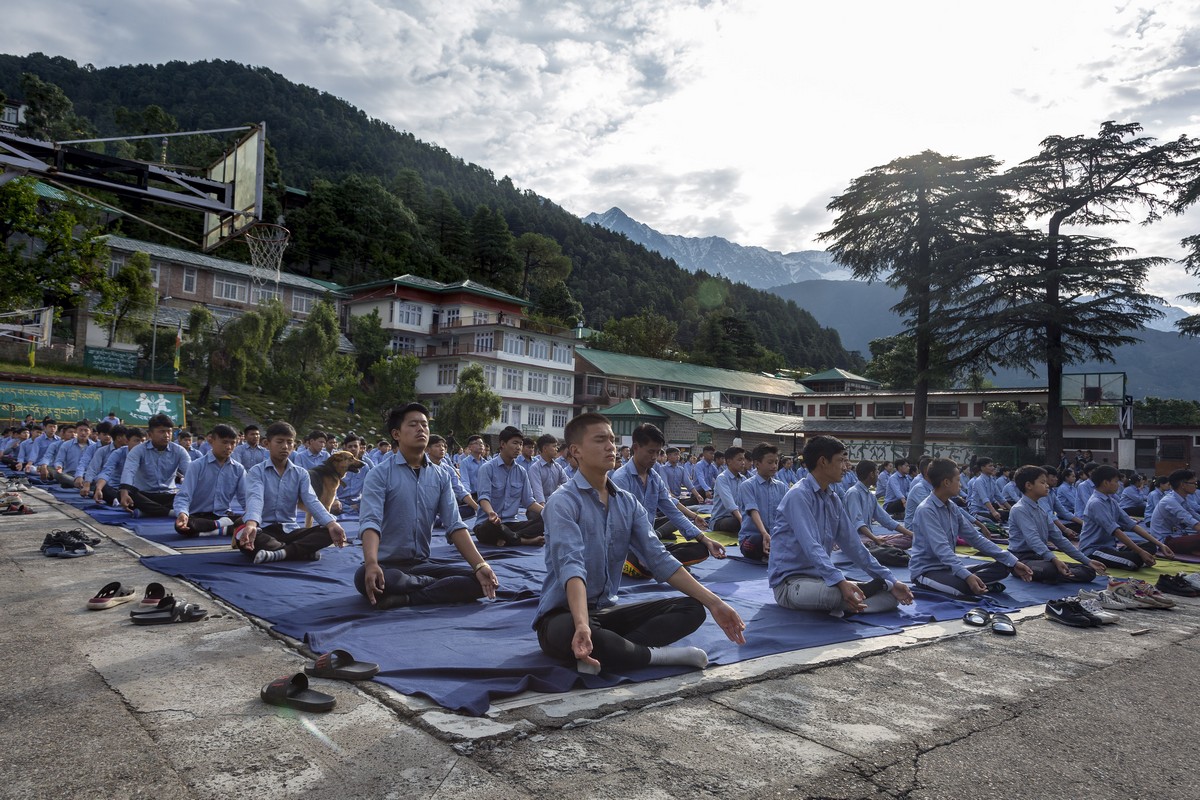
(436, 438)
(528, 442)
(708, 448)
(223, 431)
(545, 439)
(733, 452)
(132, 432)
(280, 428)
(509, 433)
(648, 433)
(864, 468)
(315, 434)
(118, 430)
(819, 447)
(249, 428)
(941, 470)
(160, 421)
(1102, 473)
(1180, 477)
(575, 429)
(395, 417)
(762, 450)
(1026, 475)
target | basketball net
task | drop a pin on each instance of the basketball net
(267, 243)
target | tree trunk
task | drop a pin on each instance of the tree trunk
(916, 447)
(1054, 347)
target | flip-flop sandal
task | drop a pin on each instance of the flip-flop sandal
(169, 610)
(114, 594)
(1003, 625)
(155, 592)
(293, 692)
(977, 617)
(340, 665)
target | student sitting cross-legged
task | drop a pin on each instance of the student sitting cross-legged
(401, 497)
(273, 490)
(863, 508)
(436, 450)
(1174, 521)
(109, 475)
(591, 525)
(758, 499)
(214, 485)
(1031, 530)
(148, 479)
(1105, 524)
(810, 522)
(502, 488)
(726, 517)
(937, 526)
(70, 456)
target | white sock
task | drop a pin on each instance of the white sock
(267, 556)
(586, 668)
(222, 529)
(682, 656)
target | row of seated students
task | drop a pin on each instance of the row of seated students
(600, 519)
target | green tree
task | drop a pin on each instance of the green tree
(542, 261)
(50, 114)
(1166, 411)
(556, 304)
(394, 382)
(199, 356)
(1190, 325)
(306, 368)
(495, 261)
(894, 363)
(471, 408)
(370, 340)
(67, 257)
(1058, 298)
(1008, 424)
(908, 222)
(127, 301)
(248, 343)
(648, 334)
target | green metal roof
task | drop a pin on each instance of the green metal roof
(839, 375)
(654, 370)
(633, 408)
(763, 423)
(437, 287)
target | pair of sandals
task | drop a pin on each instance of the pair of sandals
(291, 691)
(999, 623)
(160, 608)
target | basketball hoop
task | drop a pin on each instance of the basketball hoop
(267, 243)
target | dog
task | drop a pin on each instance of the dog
(327, 477)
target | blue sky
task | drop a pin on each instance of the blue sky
(737, 118)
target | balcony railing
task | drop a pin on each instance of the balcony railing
(501, 318)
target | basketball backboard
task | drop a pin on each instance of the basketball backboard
(242, 169)
(1093, 389)
(706, 401)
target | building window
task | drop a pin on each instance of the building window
(435, 406)
(262, 294)
(561, 386)
(229, 289)
(562, 353)
(409, 314)
(943, 409)
(538, 382)
(886, 410)
(840, 410)
(558, 418)
(9, 115)
(513, 379)
(155, 268)
(404, 345)
(479, 318)
(504, 409)
(489, 374)
(539, 349)
(189, 280)
(115, 263)
(515, 415)
(302, 302)
(514, 345)
(450, 317)
(485, 342)
(595, 386)
(447, 375)
(537, 417)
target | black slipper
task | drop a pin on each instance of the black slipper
(169, 610)
(293, 692)
(340, 665)
(978, 617)
(1003, 625)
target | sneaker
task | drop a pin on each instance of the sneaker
(1173, 584)
(1133, 596)
(1106, 599)
(1067, 611)
(1093, 607)
(1193, 578)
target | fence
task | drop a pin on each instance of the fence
(957, 451)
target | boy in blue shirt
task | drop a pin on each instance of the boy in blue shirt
(1174, 522)
(863, 508)
(109, 475)
(1104, 521)
(810, 522)
(896, 490)
(676, 478)
(595, 524)
(546, 474)
(214, 486)
(148, 480)
(471, 461)
(704, 476)
(726, 517)
(70, 455)
(758, 499)
(314, 453)
(502, 489)
(528, 453)
(938, 526)
(1031, 532)
(436, 450)
(250, 453)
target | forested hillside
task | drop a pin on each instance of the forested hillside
(382, 202)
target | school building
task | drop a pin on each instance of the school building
(451, 326)
(689, 429)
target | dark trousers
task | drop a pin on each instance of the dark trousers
(1045, 571)
(895, 509)
(488, 532)
(1136, 511)
(622, 635)
(204, 522)
(455, 582)
(300, 544)
(109, 492)
(946, 582)
(752, 547)
(727, 524)
(1189, 543)
(152, 504)
(690, 500)
(64, 480)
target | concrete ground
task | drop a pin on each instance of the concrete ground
(94, 706)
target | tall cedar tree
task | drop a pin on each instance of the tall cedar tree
(907, 222)
(1190, 325)
(1058, 297)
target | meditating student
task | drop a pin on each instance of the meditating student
(27, 451)
(937, 527)
(1173, 522)
(436, 450)
(44, 468)
(381, 450)
(810, 523)
(70, 455)
(1085, 486)
(528, 453)
(918, 490)
(704, 476)
(786, 473)
(185, 441)
(148, 480)
(469, 464)
(758, 498)
(1052, 504)
(1132, 499)
(402, 496)
(1105, 525)
(314, 453)
(639, 477)
(546, 474)
(726, 517)
(677, 481)
(594, 525)
(250, 453)
(349, 491)
(983, 501)
(863, 508)
(1031, 533)
(502, 489)
(1162, 485)
(886, 469)
(96, 457)
(214, 486)
(897, 490)
(273, 490)
(108, 479)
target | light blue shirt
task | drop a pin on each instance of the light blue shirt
(97, 460)
(1101, 517)
(211, 487)
(351, 488)
(917, 493)
(938, 527)
(1030, 531)
(272, 498)
(979, 494)
(675, 477)
(1152, 501)
(897, 488)
(506, 487)
(400, 506)
(70, 455)
(725, 494)
(808, 523)
(763, 496)
(523, 462)
(705, 475)
(149, 469)
(49, 452)
(1084, 490)
(590, 541)
(468, 471)
(544, 478)
(1171, 517)
(863, 508)
(654, 496)
(114, 466)
(456, 485)
(1131, 497)
(305, 458)
(249, 457)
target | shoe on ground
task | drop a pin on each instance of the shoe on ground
(1068, 611)
(1193, 578)
(1136, 597)
(1107, 599)
(1173, 584)
(1094, 608)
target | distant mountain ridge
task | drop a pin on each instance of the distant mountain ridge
(754, 266)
